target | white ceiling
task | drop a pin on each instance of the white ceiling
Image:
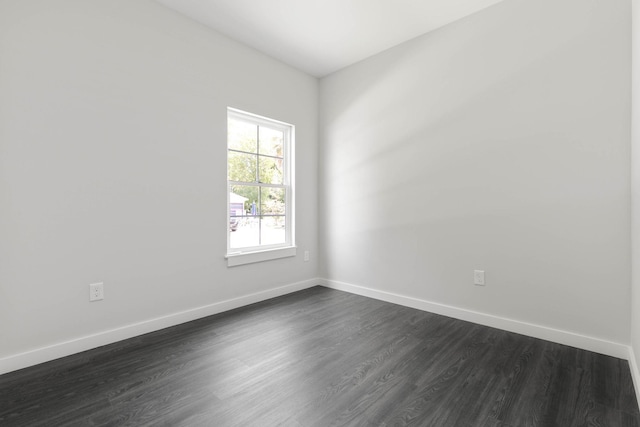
(323, 36)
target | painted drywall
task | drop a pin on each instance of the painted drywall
(498, 143)
(113, 166)
(635, 198)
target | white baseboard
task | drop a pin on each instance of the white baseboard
(635, 373)
(542, 332)
(56, 351)
(52, 352)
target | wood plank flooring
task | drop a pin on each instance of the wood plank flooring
(322, 357)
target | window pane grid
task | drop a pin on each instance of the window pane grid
(259, 189)
(258, 184)
(231, 150)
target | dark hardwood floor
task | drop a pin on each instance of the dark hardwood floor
(322, 357)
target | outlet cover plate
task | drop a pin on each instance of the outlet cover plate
(96, 291)
(478, 277)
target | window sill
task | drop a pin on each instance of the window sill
(259, 256)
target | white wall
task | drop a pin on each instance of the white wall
(500, 143)
(112, 166)
(635, 198)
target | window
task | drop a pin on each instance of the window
(260, 196)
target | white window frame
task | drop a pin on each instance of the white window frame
(240, 256)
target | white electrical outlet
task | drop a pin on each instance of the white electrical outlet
(306, 255)
(96, 291)
(478, 277)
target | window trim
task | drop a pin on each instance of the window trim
(241, 256)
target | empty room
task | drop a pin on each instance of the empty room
(319, 213)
